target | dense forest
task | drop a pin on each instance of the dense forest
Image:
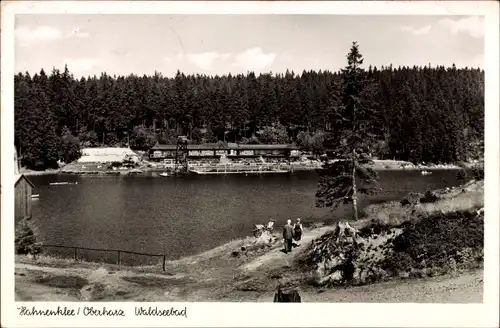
(424, 114)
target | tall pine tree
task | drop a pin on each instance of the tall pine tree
(346, 171)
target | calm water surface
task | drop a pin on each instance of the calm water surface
(184, 216)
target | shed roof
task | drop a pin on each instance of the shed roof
(19, 177)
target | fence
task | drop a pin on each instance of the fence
(119, 252)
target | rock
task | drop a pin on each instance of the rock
(452, 265)
(174, 292)
(363, 276)
(93, 291)
(98, 274)
(404, 274)
(266, 239)
(359, 276)
(336, 276)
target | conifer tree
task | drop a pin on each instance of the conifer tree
(345, 172)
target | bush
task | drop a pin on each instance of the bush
(412, 199)
(429, 197)
(476, 173)
(398, 262)
(25, 239)
(461, 175)
(437, 239)
(374, 228)
(404, 202)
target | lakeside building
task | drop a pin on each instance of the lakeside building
(107, 155)
(230, 151)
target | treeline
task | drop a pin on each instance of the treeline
(426, 114)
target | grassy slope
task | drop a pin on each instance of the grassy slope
(217, 275)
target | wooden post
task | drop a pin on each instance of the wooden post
(119, 259)
(164, 259)
(75, 254)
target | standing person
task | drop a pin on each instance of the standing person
(297, 230)
(288, 235)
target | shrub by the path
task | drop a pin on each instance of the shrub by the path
(429, 197)
(476, 173)
(431, 245)
(412, 199)
(434, 241)
(374, 228)
(25, 239)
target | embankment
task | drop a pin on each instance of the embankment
(432, 239)
(44, 172)
(381, 165)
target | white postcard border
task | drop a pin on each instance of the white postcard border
(259, 314)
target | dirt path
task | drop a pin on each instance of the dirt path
(84, 271)
(42, 283)
(465, 288)
(27, 291)
(276, 258)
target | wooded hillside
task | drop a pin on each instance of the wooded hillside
(426, 114)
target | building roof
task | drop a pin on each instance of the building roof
(260, 147)
(18, 178)
(160, 146)
(106, 154)
(230, 145)
(208, 146)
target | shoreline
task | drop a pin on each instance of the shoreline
(378, 165)
(43, 172)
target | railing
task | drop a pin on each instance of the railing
(119, 252)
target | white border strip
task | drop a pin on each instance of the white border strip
(250, 314)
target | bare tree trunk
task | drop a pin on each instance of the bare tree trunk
(354, 188)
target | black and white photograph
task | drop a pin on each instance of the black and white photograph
(262, 158)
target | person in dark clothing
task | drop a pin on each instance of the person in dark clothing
(297, 231)
(287, 296)
(288, 236)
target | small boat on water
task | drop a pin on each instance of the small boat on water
(425, 172)
(164, 174)
(35, 196)
(62, 183)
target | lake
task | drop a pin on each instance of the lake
(187, 215)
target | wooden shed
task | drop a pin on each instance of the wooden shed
(23, 192)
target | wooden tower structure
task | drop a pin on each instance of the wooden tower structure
(181, 155)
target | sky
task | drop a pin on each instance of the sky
(221, 44)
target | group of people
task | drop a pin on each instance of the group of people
(291, 233)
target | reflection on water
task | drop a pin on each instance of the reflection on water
(184, 216)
